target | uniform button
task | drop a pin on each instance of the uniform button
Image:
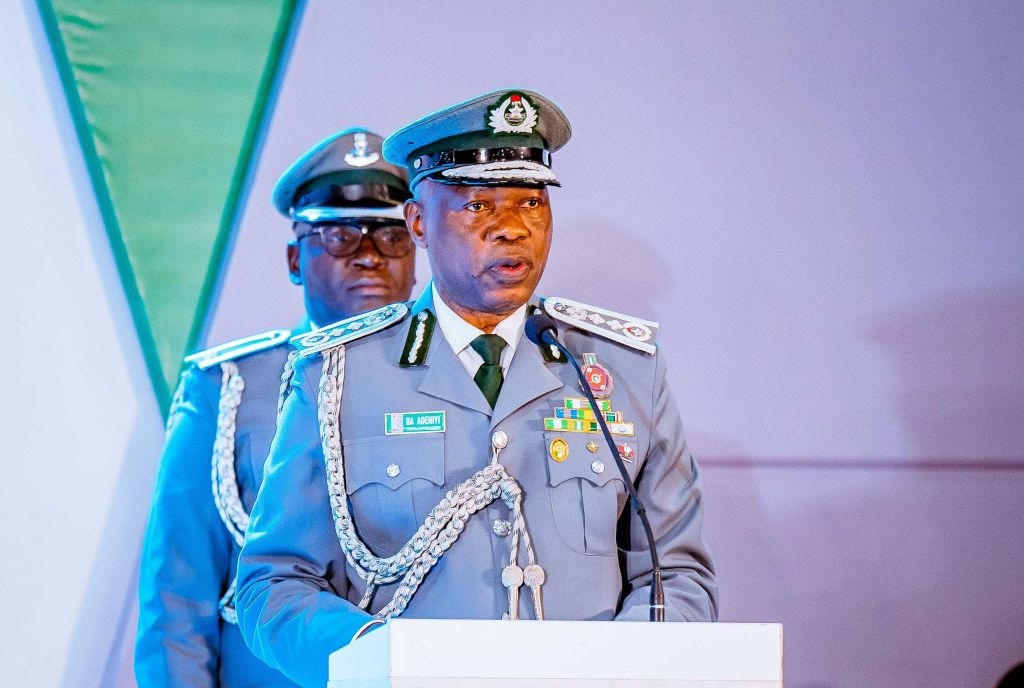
(597, 467)
(501, 527)
(499, 440)
(393, 470)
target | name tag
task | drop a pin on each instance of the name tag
(414, 422)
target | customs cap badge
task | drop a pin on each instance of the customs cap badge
(513, 115)
(360, 155)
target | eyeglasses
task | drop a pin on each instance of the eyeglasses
(342, 239)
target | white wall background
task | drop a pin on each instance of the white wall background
(822, 204)
(80, 426)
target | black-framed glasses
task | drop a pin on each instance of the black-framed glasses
(342, 239)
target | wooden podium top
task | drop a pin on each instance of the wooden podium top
(436, 653)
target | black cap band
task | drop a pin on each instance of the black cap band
(477, 156)
(368, 195)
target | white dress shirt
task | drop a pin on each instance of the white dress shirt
(459, 333)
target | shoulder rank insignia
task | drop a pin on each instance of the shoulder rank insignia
(417, 342)
(624, 329)
(350, 329)
(238, 348)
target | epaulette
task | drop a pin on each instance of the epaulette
(624, 329)
(350, 329)
(237, 349)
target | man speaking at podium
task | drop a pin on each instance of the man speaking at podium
(433, 461)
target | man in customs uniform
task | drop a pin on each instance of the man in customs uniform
(351, 253)
(432, 462)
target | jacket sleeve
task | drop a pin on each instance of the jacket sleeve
(185, 554)
(669, 485)
(292, 582)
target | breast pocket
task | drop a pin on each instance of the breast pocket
(393, 481)
(587, 493)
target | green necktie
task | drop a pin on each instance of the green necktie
(488, 377)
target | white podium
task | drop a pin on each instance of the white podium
(442, 653)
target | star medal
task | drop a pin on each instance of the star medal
(598, 379)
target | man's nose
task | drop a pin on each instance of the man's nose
(366, 255)
(510, 227)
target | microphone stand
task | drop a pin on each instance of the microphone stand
(657, 602)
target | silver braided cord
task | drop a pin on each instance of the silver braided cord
(513, 576)
(439, 531)
(225, 483)
(286, 378)
(227, 607)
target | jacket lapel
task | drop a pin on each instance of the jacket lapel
(527, 379)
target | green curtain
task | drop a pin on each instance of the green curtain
(168, 97)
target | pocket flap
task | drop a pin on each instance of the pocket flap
(393, 460)
(596, 467)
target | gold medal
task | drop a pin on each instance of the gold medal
(559, 449)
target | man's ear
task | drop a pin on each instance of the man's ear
(294, 273)
(414, 221)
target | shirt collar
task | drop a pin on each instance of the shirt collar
(460, 333)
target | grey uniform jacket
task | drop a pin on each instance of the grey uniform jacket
(189, 558)
(297, 594)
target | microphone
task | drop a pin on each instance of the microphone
(540, 329)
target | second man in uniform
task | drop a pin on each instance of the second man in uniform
(351, 252)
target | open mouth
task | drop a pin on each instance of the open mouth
(511, 269)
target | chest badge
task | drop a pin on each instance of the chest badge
(414, 423)
(598, 378)
(627, 452)
(559, 449)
